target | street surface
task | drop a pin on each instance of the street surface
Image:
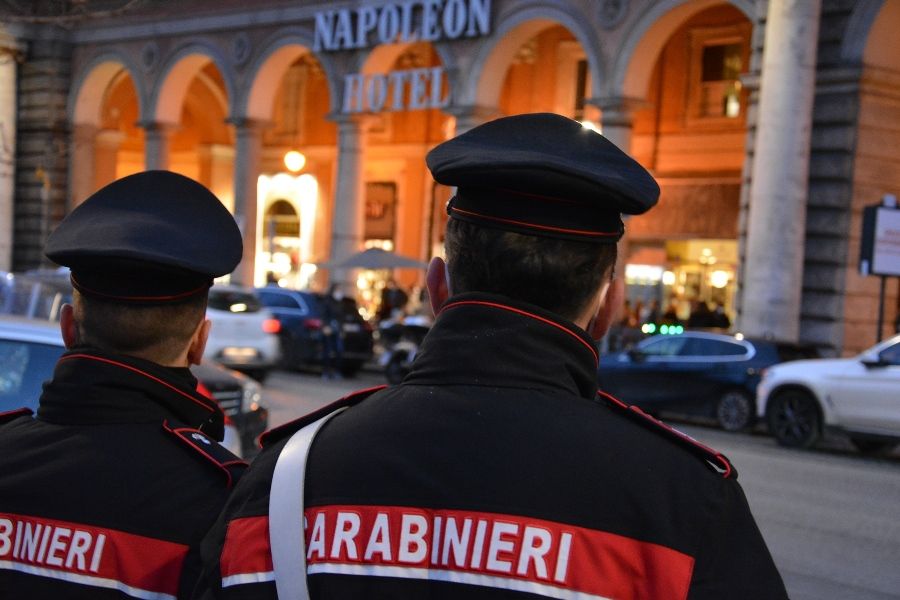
(831, 517)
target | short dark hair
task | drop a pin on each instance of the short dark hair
(159, 332)
(555, 274)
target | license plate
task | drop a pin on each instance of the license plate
(239, 354)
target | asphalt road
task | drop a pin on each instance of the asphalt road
(831, 517)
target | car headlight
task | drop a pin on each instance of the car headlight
(250, 400)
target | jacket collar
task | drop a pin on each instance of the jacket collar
(90, 386)
(490, 340)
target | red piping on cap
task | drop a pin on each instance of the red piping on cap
(534, 226)
(171, 298)
(527, 314)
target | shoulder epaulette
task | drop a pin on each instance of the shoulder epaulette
(291, 427)
(715, 459)
(6, 417)
(213, 452)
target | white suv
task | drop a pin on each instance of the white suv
(859, 395)
(244, 334)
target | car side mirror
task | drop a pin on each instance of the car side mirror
(872, 361)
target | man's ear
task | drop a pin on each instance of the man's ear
(609, 307)
(68, 327)
(436, 282)
(198, 342)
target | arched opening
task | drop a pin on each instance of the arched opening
(107, 143)
(297, 122)
(400, 205)
(200, 144)
(690, 132)
(548, 73)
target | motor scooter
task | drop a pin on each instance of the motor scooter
(401, 340)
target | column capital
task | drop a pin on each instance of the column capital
(249, 123)
(469, 116)
(359, 121)
(617, 110)
(157, 127)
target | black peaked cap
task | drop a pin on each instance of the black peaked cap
(542, 174)
(153, 237)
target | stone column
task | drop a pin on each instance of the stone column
(773, 267)
(9, 54)
(348, 216)
(248, 150)
(616, 122)
(616, 118)
(106, 156)
(156, 144)
(82, 163)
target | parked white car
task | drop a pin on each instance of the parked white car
(859, 395)
(244, 334)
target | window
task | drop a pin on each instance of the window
(233, 301)
(278, 300)
(666, 346)
(24, 367)
(891, 355)
(720, 93)
(708, 347)
(718, 57)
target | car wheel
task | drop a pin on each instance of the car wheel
(794, 419)
(397, 368)
(735, 410)
(871, 447)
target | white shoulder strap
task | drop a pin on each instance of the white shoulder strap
(286, 507)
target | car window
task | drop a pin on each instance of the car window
(277, 300)
(663, 346)
(891, 355)
(788, 352)
(711, 347)
(24, 367)
(235, 301)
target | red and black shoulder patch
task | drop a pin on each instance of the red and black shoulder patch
(713, 458)
(10, 415)
(290, 428)
(213, 453)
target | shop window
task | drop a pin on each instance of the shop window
(718, 58)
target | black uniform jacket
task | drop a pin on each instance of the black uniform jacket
(107, 492)
(496, 471)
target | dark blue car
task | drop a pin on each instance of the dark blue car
(695, 373)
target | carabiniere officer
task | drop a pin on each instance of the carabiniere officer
(107, 490)
(497, 469)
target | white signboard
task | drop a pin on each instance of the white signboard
(886, 247)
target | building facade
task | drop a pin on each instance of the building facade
(769, 125)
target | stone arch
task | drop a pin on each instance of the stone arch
(167, 97)
(859, 25)
(93, 81)
(633, 67)
(267, 70)
(515, 28)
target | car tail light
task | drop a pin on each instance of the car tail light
(313, 323)
(271, 326)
